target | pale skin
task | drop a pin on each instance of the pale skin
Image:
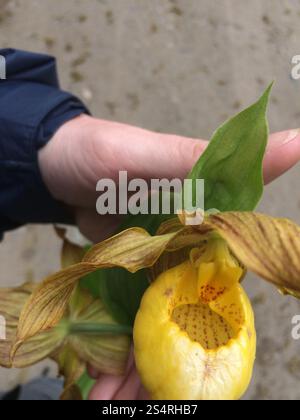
(87, 149)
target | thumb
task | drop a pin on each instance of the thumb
(152, 155)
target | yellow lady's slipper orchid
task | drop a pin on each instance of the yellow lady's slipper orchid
(194, 335)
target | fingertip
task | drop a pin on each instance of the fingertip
(282, 154)
(106, 387)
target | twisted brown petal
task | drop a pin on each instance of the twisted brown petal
(268, 246)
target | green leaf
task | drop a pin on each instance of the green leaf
(85, 384)
(231, 165)
(122, 292)
(91, 282)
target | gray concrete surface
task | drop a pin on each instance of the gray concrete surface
(175, 66)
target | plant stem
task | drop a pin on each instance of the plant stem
(99, 329)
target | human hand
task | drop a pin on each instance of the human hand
(87, 149)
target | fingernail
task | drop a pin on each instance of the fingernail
(284, 137)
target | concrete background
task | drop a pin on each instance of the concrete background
(176, 66)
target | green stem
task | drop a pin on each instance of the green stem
(99, 329)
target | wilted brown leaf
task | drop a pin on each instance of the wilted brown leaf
(71, 393)
(268, 246)
(11, 304)
(38, 347)
(47, 304)
(108, 352)
(132, 249)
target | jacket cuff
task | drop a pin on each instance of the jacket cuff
(31, 114)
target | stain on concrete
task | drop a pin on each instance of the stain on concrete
(109, 16)
(159, 68)
(28, 253)
(261, 393)
(68, 48)
(236, 104)
(222, 82)
(293, 366)
(153, 28)
(176, 10)
(5, 13)
(267, 351)
(252, 47)
(266, 20)
(133, 100)
(111, 106)
(259, 299)
(82, 18)
(49, 42)
(76, 76)
(212, 21)
(81, 59)
(260, 81)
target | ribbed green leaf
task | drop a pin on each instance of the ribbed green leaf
(231, 165)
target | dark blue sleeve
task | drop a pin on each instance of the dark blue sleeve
(32, 108)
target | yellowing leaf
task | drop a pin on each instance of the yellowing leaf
(11, 304)
(71, 393)
(70, 365)
(132, 249)
(170, 225)
(268, 246)
(33, 350)
(107, 351)
(87, 334)
(47, 304)
(38, 348)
